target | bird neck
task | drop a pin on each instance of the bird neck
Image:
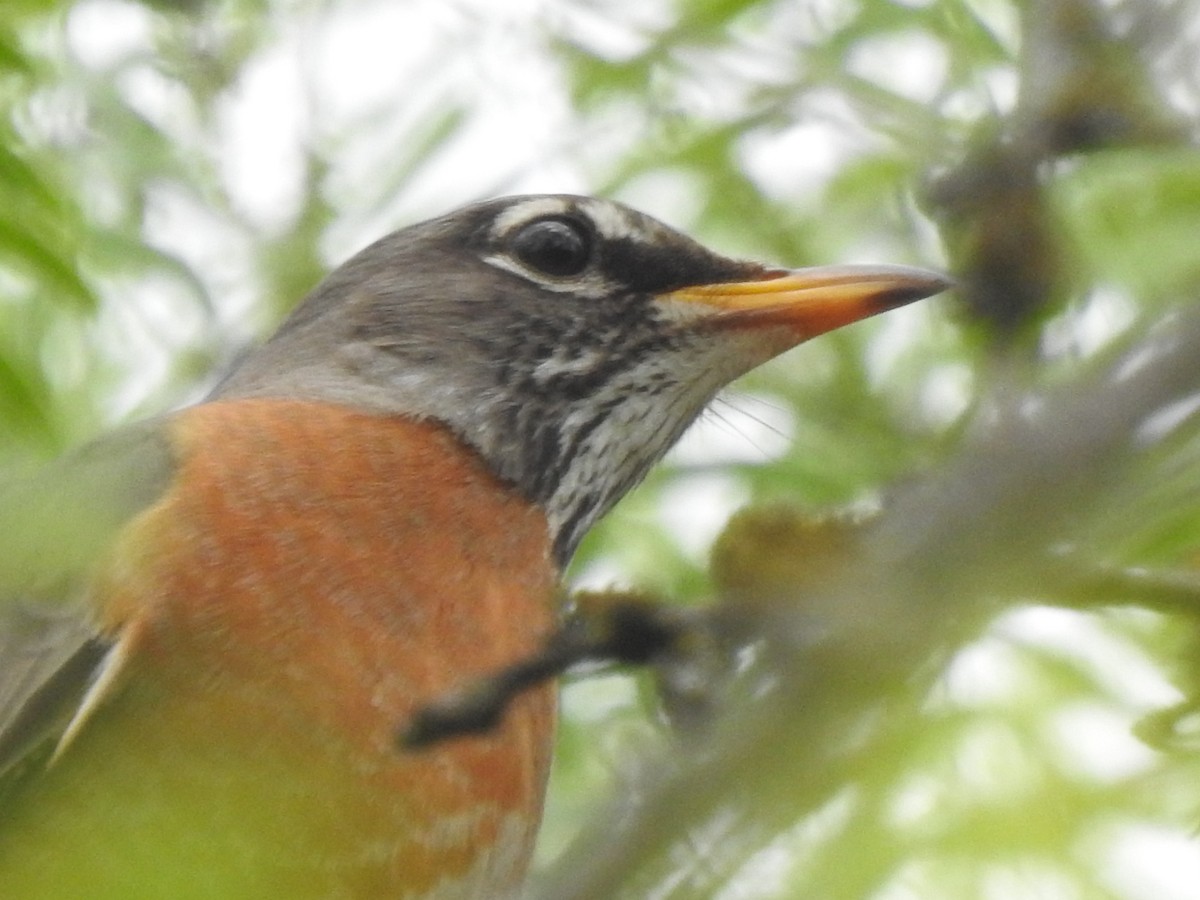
(578, 459)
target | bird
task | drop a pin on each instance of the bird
(213, 621)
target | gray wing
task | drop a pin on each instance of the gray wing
(54, 526)
(47, 661)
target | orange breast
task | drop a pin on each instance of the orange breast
(314, 575)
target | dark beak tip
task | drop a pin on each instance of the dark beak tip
(941, 282)
(929, 284)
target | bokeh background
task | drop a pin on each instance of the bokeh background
(949, 647)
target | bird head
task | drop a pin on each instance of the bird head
(568, 340)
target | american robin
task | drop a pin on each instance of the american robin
(212, 623)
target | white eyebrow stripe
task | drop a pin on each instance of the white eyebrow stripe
(521, 213)
(611, 221)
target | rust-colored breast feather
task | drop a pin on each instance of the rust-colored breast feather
(313, 575)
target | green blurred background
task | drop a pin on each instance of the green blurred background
(956, 635)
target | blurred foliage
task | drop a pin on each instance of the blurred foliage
(1025, 736)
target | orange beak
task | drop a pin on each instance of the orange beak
(812, 301)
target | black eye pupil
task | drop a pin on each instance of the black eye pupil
(554, 246)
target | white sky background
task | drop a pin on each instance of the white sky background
(356, 79)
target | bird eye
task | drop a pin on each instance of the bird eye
(558, 247)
